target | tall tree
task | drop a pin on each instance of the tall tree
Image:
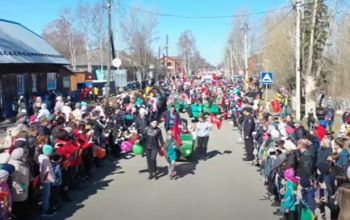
(99, 33)
(139, 33)
(187, 48)
(340, 75)
(62, 30)
(316, 26)
(198, 62)
(86, 20)
(277, 40)
(234, 52)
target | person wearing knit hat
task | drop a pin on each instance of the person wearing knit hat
(289, 174)
(47, 150)
(20, 181)
(47, 177)
(288, 202)
(56, 160)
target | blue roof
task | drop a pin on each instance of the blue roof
(19, 45)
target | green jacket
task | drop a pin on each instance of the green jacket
(289, 198)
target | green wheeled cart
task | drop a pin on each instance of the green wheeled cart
(186, 151)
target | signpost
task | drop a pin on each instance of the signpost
(116, 62)
(266, 80)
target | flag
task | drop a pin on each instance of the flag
(215, 121)
(176, 132)
(215, 78)
(183, 77)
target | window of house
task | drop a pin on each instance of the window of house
(66, 82)
(20, 84)
(51, 81)
(168, 64)
(34, 83)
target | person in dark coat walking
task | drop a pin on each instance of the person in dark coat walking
(248, 129)
(153, 141)
(142, 122)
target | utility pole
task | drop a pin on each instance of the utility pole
(167, 45)
(166, 55)
(245, 29)
(159, 65)
(310, 82)
(297, 61)
(107, 86)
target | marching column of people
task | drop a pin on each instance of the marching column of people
(57, 143)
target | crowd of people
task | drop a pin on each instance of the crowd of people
(56, 145)
(305, 169)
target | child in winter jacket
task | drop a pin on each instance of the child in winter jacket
(288, 202)
(47, 177)
(171, 154)
(56, 186)
(308, 193)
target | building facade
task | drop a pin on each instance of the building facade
(172, 64)
(29, 66)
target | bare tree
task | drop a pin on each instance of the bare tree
(340, 54)
(84, 12)
(278, 47)
(234, 52)
(99, 28)
(139, 32)
(187, 49)
(62, 33)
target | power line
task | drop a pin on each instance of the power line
(201, 17)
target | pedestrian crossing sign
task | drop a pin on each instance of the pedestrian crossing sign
(266, 78)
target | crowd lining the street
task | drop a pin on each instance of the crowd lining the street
(55, 146)
(305, 169)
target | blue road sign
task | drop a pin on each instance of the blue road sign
(266, 78)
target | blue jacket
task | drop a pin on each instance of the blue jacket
(167, 119)
(323, 154)
(309, 197)
(58, 174)
(343, 159)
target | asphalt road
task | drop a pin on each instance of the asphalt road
(221, 188)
